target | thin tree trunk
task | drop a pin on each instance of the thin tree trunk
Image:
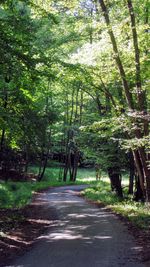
(3, 131)
(91, 29)
(146, 172)
(139, 168)
(72, 106)
(132, 173)
(117, 56)
(76, 107)
(66, 167)
(138, 194)
(67, 109)
(140, 93)
(99, 105)
(44, 165)
(2, 139)
(106, 91)
(81, 105)
(76, 166)
(140, 154)
(107, 103)
(43, 168)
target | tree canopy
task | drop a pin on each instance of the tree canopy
(74, 83)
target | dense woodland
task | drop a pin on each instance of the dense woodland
(74, 88)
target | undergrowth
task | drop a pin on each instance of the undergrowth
(138, 213)
(17, 195)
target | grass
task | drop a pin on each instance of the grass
(14, 195)
(137, 213)
(52, 174)
(17, 195)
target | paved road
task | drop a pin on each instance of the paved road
(84, 235)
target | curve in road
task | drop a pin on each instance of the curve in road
(84, 235)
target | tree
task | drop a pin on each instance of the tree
(139, 154)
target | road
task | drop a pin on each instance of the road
(84, 235)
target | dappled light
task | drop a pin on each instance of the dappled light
(66, 234)
(17, 239)
(71, 235)
(74, 132)
(138, 249)
(80, 227)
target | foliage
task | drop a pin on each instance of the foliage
(137, 213)
(17, 195)
(71, 72)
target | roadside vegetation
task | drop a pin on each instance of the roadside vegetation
(136, 212)
(17, 195)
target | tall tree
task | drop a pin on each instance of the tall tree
(139, 154)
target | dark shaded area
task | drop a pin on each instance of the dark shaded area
(20, 228)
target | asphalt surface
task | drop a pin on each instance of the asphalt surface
(84, 235)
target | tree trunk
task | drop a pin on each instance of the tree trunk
(132, 173)
(72, 107)
(117, 56)
(146, 172)
(139, 168)
(99, 105)
(140, 92)
(43, 168)
(81, 106)
(138, 194)
(115, 179)
(2, 139)
(142, 105)
(74, 166)
(139, 156)
(76, 106)
(3, 131)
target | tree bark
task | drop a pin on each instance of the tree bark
(140, 92)
(43, 168)
(81, 106)
(3, 130)
(139, 156)
(132, 173)
(76, 105)
(117, 56)
(115, 179)
(72, 106)
(139, 168)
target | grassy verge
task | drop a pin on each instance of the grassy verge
(137, 213)
(19, 194)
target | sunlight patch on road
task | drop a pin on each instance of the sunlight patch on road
(85, 215)
(76, 227)
(66, 235)
(40, 221)
(137, 248)
(69, 235)
(102, 237)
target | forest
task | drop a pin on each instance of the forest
(74, 95)
(75, 104)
